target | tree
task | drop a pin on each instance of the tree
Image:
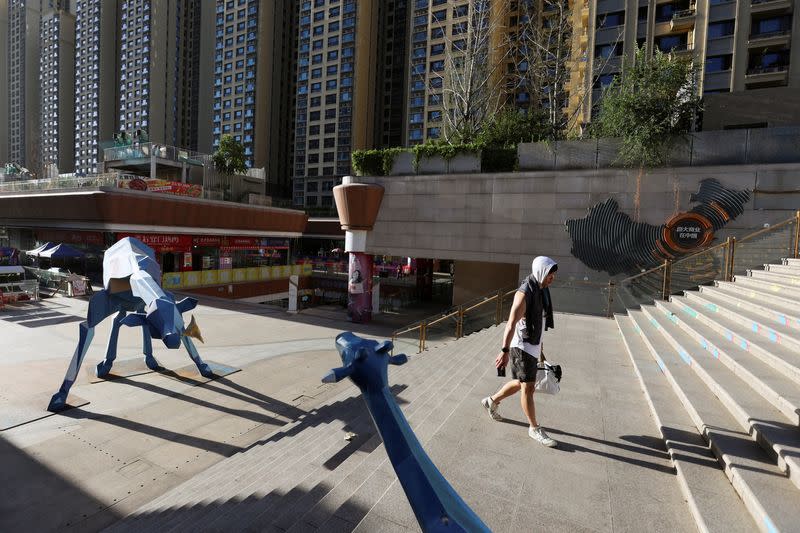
(470, 76)
(653, 100)
(546, 59)
(512, 126)
(229, 158)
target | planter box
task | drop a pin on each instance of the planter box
(608, 153)
(576, 154)
(536, 156)
(722, 147)
(464, 163)
(403, 165)
(432, 165)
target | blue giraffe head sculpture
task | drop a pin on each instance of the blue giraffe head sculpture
(436, 505)
(365, 361)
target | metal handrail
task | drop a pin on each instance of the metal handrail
(441, 319)
(768, 229)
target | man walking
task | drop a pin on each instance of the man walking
(530, 316)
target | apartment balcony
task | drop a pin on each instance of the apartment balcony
(773, 75)
(683, 19)
(770, 6)
(772, 38)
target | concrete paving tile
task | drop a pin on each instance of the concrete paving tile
(578, 498)
(373, 522)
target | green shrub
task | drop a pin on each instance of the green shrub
(495, 159)
(368, 162)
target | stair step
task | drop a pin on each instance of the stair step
(779, 438)
(786, 279)
(714, 503)
(793, 270)
(764, 292)
(791, 261)
(769, 496)
(262, 515)
(774, 308)
(779, 390)
(296, 465)
(782, 358)
(738, 312)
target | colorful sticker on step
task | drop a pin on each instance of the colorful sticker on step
(654, 322)
(783, 320)
(729, 335)
(744, 344)
(712, 307)
(637, 329)
(685, 357)
(704, 344)
(715, 352)
(755, 327)
(660, 365)
(773, 336)
(769, 525)
(673, 318)
(689, 311)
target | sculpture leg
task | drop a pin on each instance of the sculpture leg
(59, 399)
(204, 369)
(104, 366)
(147, 348)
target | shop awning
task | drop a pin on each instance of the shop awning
(37, 251)
(62, 251)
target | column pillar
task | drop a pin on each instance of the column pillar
(358, 205)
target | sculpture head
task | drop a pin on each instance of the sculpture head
(163, 318)
(365, 361)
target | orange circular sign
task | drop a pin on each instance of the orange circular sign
(686, 232)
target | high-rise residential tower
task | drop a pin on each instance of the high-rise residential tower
(455, 46)
(3, 81)
(393, 73)
(253, 90)
(96, 79)
(337, 78)
(23, 84)
(57, 88)
(158, 94)
(745, 51)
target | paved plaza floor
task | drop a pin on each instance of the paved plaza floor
(140, 436)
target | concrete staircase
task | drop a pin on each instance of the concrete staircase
(325, 471)
(720, 368)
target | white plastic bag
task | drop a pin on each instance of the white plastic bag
(546, 379)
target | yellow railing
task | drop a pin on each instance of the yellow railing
(205, 278)
(456, 322)
(716, 263)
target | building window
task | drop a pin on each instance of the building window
(718, 63)
(718, 30)
(610, 20)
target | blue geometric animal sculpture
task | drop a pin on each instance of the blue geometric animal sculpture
(131, 279)
(436, 504)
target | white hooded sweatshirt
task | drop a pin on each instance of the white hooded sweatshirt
(540, 268)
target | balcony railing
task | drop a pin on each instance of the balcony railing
(767, 70)
(769, 34)
(148, 150)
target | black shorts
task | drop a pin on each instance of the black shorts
(523, 366)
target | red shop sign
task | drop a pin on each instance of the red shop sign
(162, 243)
(244, 242)
(73, 237)
(207, 240)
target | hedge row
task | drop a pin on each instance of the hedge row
(380, 162)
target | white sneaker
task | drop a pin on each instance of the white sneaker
(539, 435)
(492, 408)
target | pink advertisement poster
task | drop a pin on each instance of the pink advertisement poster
(359, 288)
